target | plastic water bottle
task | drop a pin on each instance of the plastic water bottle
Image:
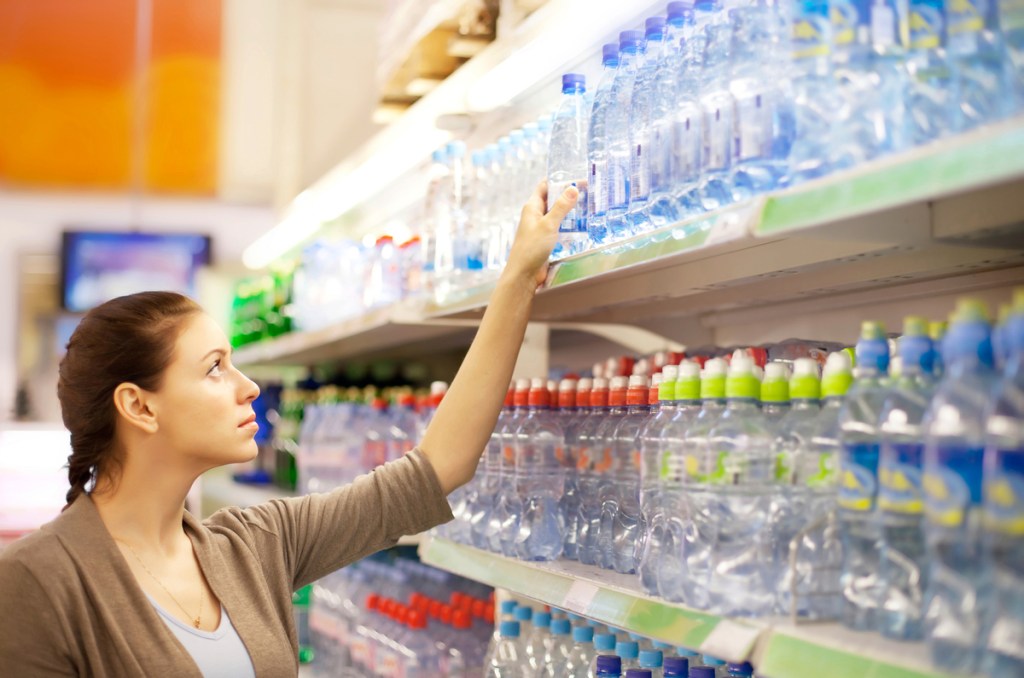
(540, 479)
(488, 480)
(683, 574)
(953, 459)
(651, 660)
(539, 641)
(662, 205)
(816, 97)
(869, 42)
(608, 471)
(653, 508)
(929, 82)
(620, 509)
(508, 507)
(688, 129)
(506, 661)
(581, 653)
(1004, 509)
(718, 110)
(567, 163)
(590, 466)
(737, 474)
(597, 149)
(903, 567)
(556, 659)
(573, 401)
(664, 460)
(629, 652)
(775, 392)
(640, 122)
(715, 663)
(619, 134)
(760, 162)
(607, 666)
(1011, 21)
(983, 89)
(858, 491)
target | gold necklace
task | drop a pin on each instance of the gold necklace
(202, 587)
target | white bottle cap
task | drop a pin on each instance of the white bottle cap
(552, 385)
(642, 367)
(669, 373)
(600, 383)
(567, 385)
(758, 372)
(837, 363)
(689, 370)
(805, 367)
(538, 383)
(656, 379)
(777, 371)
(438, 387)
(638, 381)
(598, 370)
(741, 364)
(619, 383)
(522, 384)
(716, 367)
(585, 384)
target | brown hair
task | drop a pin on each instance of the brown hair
(127, 339)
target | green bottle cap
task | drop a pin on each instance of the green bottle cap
(805, 383)
(838, 375)
(937, 330)
(969, 310)
(741, 382)
(775, 387)
(915, 326)
(667, 387)
(712, 381)
(687, 386)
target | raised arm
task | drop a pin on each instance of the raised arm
(463, 423)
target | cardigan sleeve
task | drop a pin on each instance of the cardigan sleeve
(319, 533)
(31, 639)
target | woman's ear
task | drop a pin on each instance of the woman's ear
(136, 407)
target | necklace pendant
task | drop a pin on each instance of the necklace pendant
(195, 622)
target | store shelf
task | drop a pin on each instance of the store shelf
(374, 333)
(946, 210)
(777, 647)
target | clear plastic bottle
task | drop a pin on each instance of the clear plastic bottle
(641, 106)
(590, 467)
(621, 509)
(557, 655)
(903, 567)
(540, 479)
(736, 475)
(816, 98)
(618, 133)
(688, 129)
(506, 660)
(597, 149)
(605, 466)
(567, 164)
(436, 213)
(508, 507)
(954, 447)
(1004, 509)
(718, 122)
(775, 392)
(684, 574)
(861, 440)
(488, 479)
(629, 652)
(1011, 21)
(757, 86)
(983, 90)
(929, 82)
(539, 641)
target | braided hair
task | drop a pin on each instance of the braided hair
(129, 339)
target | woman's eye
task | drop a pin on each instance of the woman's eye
(215, 369)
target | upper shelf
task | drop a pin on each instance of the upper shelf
(890, 230)
(777, 647)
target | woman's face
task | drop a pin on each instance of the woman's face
(204, 405)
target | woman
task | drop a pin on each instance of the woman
(126, 583)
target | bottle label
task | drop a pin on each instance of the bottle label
(618, 182)
(1004, 494)
(966, 16)
(598, 189)
(858, 483)
(717, 138)
(640, 186)
(707, 469)
(952, 485)
(926, 25)
(754, 124)
(688, 141)
(811, 37)
(824, 474)
(900, 489)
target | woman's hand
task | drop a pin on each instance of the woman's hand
(538, 233)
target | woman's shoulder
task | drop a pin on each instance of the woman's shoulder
(40, 555)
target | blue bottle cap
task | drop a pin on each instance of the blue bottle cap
(651, 659)
(607, 663)
(654, 27)
(741, 668)
(508, 606)
(524, 613)
(456, 149)
(438, 155)
(530, 131)
(915, 346)
(610, 54)
(478, 158)
(509, 629)
(583, 634)
(676, 666)
(560, 626)
(713, 661)
(517, 136)
(627, 649)
(873, 348)
(678, 10)
(574, 82)
(542, 619)
(604, 642)
(969, 334)
(630, 41)
(702, 672)
(638, 673)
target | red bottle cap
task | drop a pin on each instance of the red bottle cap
(461, 621)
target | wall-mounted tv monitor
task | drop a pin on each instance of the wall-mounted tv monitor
(97, 266)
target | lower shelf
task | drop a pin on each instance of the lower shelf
(777, 647)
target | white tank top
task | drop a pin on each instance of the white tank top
(219, 654)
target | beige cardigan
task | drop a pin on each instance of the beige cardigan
(69, 605)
